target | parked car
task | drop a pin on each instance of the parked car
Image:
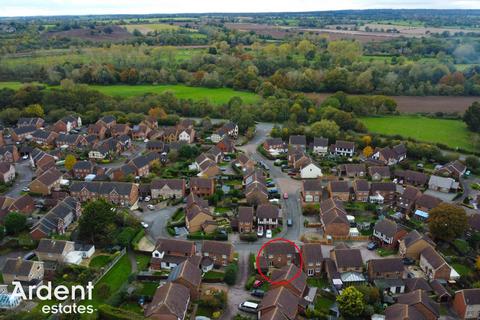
(257, 293)
(269, 234)
(25, 189)
(257, 283)
(151, 207)
(260, 231)
(408, 261)
(372, 245)
(29, 255)
(147, 199)
(25, 157)
(285, 195)
(248, 306)
(289, 222)
(144, 224)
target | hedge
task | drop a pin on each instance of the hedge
(107, 312)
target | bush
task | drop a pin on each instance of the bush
(231, 272)
(107, 312)
(250, 237)
(310, 210)
(15, 223)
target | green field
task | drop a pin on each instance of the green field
(452, 133)
(216, 96)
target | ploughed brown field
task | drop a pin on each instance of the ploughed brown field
(408, 104)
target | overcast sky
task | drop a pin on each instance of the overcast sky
(81, 7)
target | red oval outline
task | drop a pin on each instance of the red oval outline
(283, 282)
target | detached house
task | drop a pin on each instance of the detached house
(390, 268)
(312, 259)
(169, 253)
(279, 303)
(66, 124)
(9, 153)
(309, 170)
(274, 146)
(442, 184)
(58, 219)
(354, 170)
(383, 192)
(245, 219)
(97, 130)
(413, 244)
(21, 133)
(379, 173)
(107, 121)
(343, 148)
(226, 145)
(202, 187)
(387, 232)
(312, 191)
(44, 137)
(197, 213)
(279, 254)
(27, 272)
(220, 252)
(188, 275)
(334, 218)
(171, 301)
(298, 141)
(320, 146)
(453, 169)
(186, 135)
(467, 303)
(433, 264)
(228, 129)
(46, 182)
(410, 177)
(391, 156)
(406, 200)
(339, 190)
(361, 189)
(168, 188)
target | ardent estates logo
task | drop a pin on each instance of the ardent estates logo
(46, 292)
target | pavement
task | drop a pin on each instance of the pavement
(23, 179)
(157, 221)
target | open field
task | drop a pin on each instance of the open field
(150, 27)
(427, 104)
(213, 95)
(117, 33)
(452, 133)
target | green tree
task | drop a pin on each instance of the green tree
(350, 302)
(472, 163)
(231, 274)
(472, 117)
(447, 221)
(70, 161)
(325, 128)
(34, 110)
(15, 223)
(97, 223)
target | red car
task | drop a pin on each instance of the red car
(285, 195)
(257, 283)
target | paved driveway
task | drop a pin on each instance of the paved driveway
(157, 221)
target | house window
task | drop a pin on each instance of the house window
(310, 272)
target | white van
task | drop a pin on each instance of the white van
(248, 306)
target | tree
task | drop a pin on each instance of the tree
(447, 221)
(70, 161)
(350, 302)
(325, 128)
(231, 274)
(472, 163)
(15, 223)
(34, 110)
(157, 113)
(477, 263)
(367, 151)
(472, 117)
(97, 223)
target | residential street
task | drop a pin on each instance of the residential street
(24, 177)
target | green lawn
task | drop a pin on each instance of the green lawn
(115, 278)
(216, 96)
(142, 261)
(149, 288)
(452, 133)
(100, 261)
(323, 304)
(385, 252)
(462, 269)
